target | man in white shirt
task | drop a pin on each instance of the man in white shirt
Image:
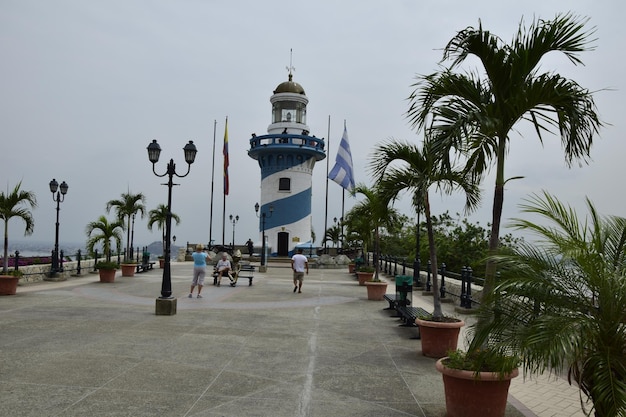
(223, 267)
(299, 263)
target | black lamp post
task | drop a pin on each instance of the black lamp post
(234, 220)
(262, 217)
(58, 195)
(154, 150)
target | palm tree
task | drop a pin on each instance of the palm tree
(333, 234)
(563, 306)
(158, 217)
(417, 171)
(375, 209)
(125, 208)
(15, 204)
(475, 115)
(105, 232)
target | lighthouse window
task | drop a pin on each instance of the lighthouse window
(284, 184)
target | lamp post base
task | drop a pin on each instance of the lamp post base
(263, 268)
(165, 306)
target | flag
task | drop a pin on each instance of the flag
(342, 171)
(226, 184)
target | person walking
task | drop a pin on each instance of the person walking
(299, 263)
(224, 267)
(199, 269)
(250, 246)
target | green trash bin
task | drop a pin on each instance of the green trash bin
(404, 290)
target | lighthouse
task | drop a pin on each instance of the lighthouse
(286, 156)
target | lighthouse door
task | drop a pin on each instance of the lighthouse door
(283, 244)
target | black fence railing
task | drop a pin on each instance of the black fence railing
(390, 265)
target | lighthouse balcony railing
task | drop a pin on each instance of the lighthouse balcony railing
(287, 139)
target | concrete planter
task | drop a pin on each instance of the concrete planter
(107, 275)
(364, 276)
(8, 284)
(376, 290)
(470, 394)
(128, 270)
(439, 337)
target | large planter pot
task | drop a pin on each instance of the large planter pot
(8, 284)
(351, 268)
(128, 270)
(364, 276)
(471, 395)
(438, 337)
(107, 275)
(376, 290)
(161, 262)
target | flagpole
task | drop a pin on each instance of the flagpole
(212, 188)
(327, 170)
(226, 179)
(343, 200)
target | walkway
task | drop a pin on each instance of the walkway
(82, 348)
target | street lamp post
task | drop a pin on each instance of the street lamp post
(166, 304)
(58, 195)
(262, 216)
(234, 220)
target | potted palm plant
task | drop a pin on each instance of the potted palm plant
(376, 208)
(158, 217)
(472, 116)
(561, 306)
(404, 166)
(126, 208)
(9, 281)
(102, 232)
(16, 204)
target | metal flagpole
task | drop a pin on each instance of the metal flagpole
(327, 170)
(225, 190)
(212, 188)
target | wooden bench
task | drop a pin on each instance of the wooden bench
(145, 266)
(242, 271)
(246, 271)
(391, 299)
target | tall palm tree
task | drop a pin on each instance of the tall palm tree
(333, 234)
(106, 231)
(158, 217)
(402, 167)
(563, 306)
(125, 208)
(475, 115)
(15, 204)
(376, 209)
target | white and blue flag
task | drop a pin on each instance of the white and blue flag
(342, 171)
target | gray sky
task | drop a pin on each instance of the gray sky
(85, 86)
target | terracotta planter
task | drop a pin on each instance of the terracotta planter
(107, 275)
(471, 395)
(364, 276)
(351, 268)
(128, 270)
(376, 290)
(161, 262)
(438, 337)
(8, 284)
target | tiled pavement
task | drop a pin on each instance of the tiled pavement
(82, 348)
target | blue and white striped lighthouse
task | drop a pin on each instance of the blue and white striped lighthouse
(287, 156)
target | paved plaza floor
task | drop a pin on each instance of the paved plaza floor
(85, 348)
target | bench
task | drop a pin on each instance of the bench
(408, 314)
(145, 266)
(391, 299)
(242, 271)
(246, 271)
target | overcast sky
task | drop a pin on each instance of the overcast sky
(85, 86)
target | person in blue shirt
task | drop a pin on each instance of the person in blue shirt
(200, 258)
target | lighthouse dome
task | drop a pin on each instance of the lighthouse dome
(289, 87)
